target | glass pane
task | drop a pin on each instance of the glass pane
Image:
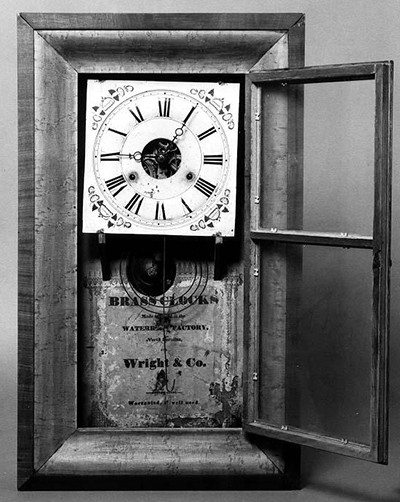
(315, 343)
(334, 192)
(161, 341)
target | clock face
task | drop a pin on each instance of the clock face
(161, 158)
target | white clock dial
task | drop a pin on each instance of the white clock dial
(163, 161)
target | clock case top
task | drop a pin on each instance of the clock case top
(54, 50)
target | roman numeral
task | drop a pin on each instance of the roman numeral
(160, 211)
(185, 205)
(117, 132)
(138, 115)
(205, 187)
(135, 201)
(164, 108)
(189, 115)
(207, 133)
(109, 156)
(118, 184)
(213, 159)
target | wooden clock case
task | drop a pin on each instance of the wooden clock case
(55, 51)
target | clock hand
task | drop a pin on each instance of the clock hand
(178, 134)
(179, 131)
(189, 114)
(136, 156)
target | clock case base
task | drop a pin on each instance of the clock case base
(184, 459)
(53, 453)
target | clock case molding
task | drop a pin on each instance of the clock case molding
(53, 51)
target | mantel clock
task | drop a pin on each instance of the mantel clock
(172, 292)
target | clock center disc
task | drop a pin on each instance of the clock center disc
(161, 158)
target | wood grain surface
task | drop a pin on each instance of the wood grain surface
(50, 61)
(181, 21)
(56, 250)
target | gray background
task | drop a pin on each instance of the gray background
(336, 32)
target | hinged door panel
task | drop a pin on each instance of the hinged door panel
(320, 256)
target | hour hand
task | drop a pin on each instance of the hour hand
(119, 155)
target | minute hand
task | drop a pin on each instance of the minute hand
(189, 115)
(179, 130)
